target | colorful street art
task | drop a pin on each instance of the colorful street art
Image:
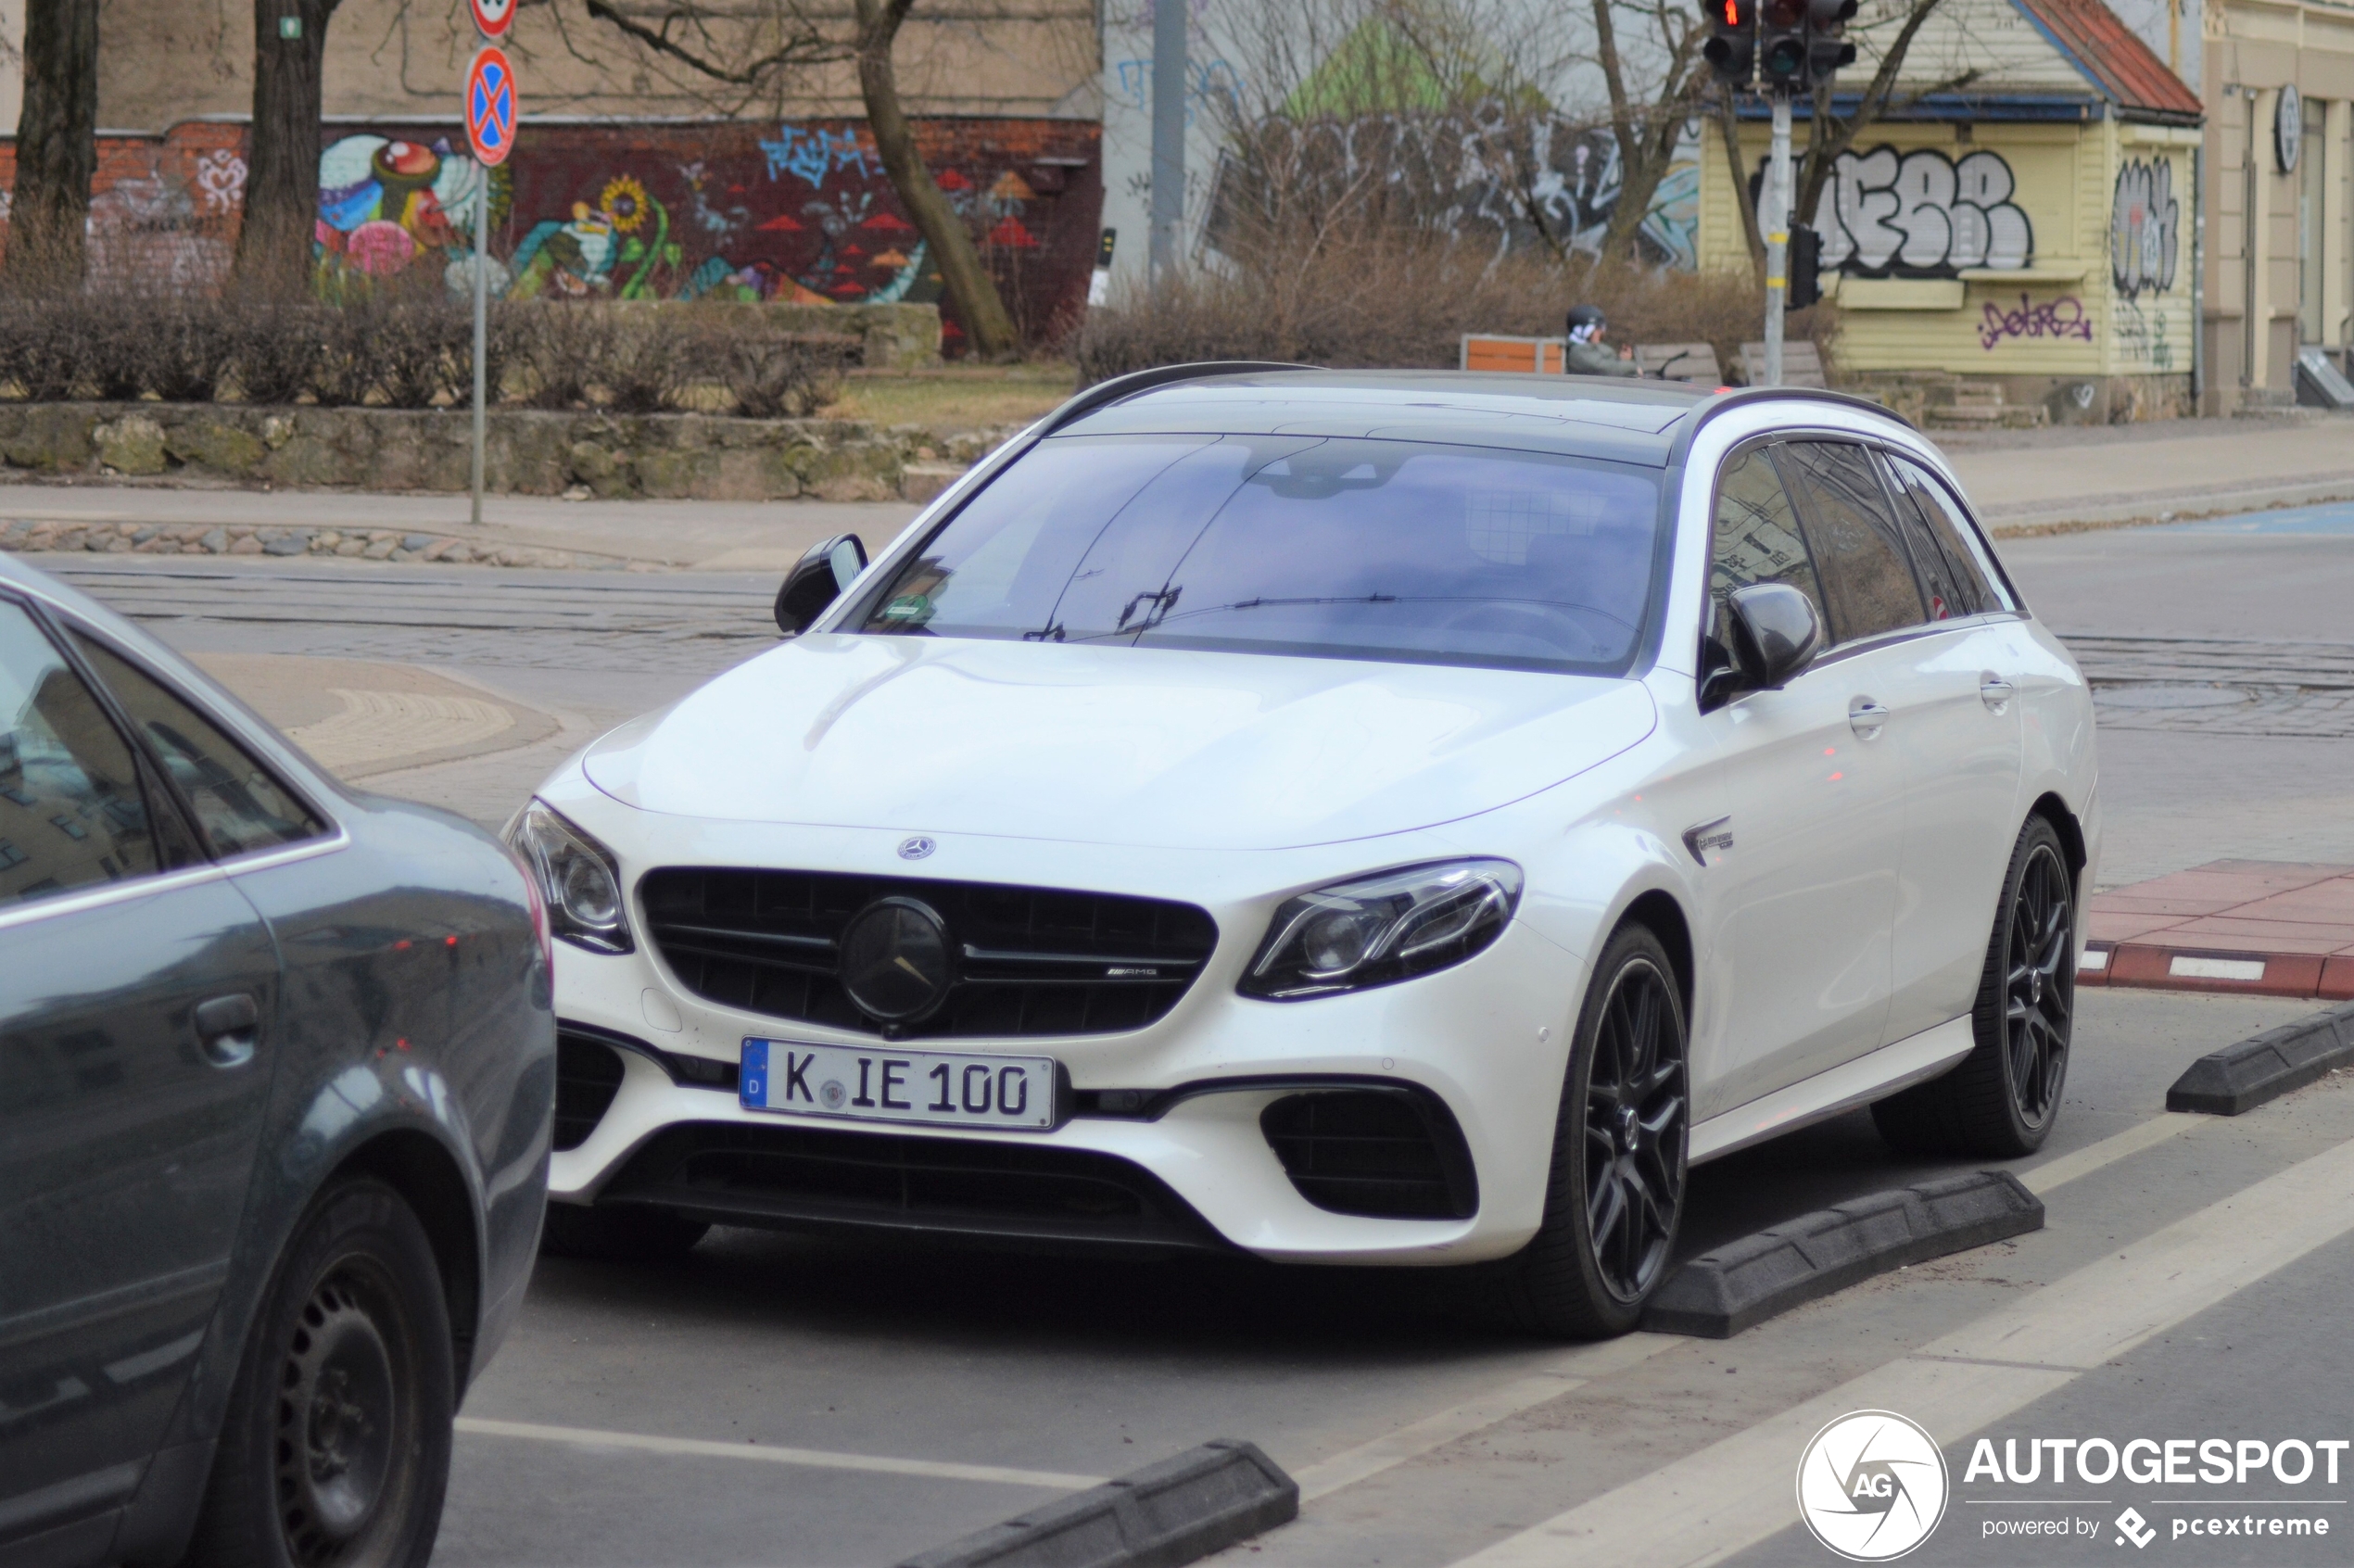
(798, 212)
(1919, 214)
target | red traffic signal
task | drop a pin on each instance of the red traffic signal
(1731, 49)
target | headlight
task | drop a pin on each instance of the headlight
(578, 877)
(1380, 929)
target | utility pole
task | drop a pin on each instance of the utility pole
(1778, 237)
(482, 329)
(1169, 135)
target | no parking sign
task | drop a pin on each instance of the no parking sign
(492, 17)
(490, 105)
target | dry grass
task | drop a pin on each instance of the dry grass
(959, 397)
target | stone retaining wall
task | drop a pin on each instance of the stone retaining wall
(371, 544)
(678, 457)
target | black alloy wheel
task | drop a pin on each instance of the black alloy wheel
(2039, 988)
(1615, 1198)
(2001, 1099)
(335, 1452)
(1634, 1132)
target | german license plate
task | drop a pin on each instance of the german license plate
(936, 1088)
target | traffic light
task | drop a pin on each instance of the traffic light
(1804, 267)
(1731, 49)
(1781, 44)
(1827, 46)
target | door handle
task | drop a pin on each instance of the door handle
(228, 1029)
(1866, 717)
(1995, 692)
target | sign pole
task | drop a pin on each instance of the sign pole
(482, 332)
(1777, 238)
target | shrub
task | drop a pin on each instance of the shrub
(1405, 301)
(560, 349)
(191, 348)
(277, 349)
(784, 377)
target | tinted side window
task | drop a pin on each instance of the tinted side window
(1757, 536)
(1973, 581)
(1858, 548)
(71, 811)
(239, 807)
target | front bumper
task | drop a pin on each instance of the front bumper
(1169, 1115)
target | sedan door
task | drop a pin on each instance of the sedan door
(1959, 718)
(134, 1069)
(1801, 853)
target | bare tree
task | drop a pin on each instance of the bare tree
(987, 326)
(1650, 124)
(56, 149)
(282, 164)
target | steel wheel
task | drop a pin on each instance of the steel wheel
(2039, 985)
(341, 1425)
(1635, 1126)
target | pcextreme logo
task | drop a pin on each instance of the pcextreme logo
(1872, 1485)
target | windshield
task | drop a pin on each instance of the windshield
(1285, 544)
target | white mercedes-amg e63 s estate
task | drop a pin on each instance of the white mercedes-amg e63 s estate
(1351, 817)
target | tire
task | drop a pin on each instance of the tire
(619, 1236)
(2001, 1101)
(1615, 1197)
(335, 1447)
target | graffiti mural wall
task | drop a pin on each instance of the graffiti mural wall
(1921, 214)
(799, 211)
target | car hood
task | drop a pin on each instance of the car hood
(1159, 746)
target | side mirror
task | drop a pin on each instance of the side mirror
(816, 580)
(1772, 632)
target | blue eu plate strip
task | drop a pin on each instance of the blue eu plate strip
(751, 1081)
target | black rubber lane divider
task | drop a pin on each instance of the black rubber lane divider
(2264, 1067)
(1721, 1293)
(1171, 1512)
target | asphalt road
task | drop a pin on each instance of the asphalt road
(774, 1399)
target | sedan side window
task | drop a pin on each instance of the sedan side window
(1866, 572)
(1757, 536)
(238, 806)
(1974, 583)
(71, 811)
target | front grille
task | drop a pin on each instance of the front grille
(588, 1076)
(1392, 1153)
(799, 1178)
(1029, 961)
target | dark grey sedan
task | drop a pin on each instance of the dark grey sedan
(276, 1069)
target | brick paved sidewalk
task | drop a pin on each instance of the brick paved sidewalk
(2266, 928)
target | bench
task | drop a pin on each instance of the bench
(1526, 356)
(1801, 366)
(1695, 362)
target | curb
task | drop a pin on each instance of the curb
(2159, 510)
(1165, 1515)
(2264, 1067)
(1762, 1276)
(2156, 966)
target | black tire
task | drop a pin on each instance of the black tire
(336, 1449)
(2001, 1101)
(1616, 1196)
(619, 1236)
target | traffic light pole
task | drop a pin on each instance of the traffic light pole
(1777, 201)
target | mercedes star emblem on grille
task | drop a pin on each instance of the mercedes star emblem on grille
(895, 959)
(915, 848)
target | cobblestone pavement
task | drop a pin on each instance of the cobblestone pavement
(2220, 685)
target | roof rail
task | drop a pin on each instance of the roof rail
(1105, 393)
(1742, 396)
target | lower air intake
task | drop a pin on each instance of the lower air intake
(1389, 1153)
(588, 1076)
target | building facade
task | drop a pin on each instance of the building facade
(2017, 241)
(2278, 77)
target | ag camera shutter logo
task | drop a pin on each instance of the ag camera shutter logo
(1872, 1485)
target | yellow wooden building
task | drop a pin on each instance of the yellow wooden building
(2015, 244)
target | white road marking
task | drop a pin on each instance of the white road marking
(2109, 1150)
(762, 1453)
(1573, 1369)
(1708, 1505)
(2188, 967)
